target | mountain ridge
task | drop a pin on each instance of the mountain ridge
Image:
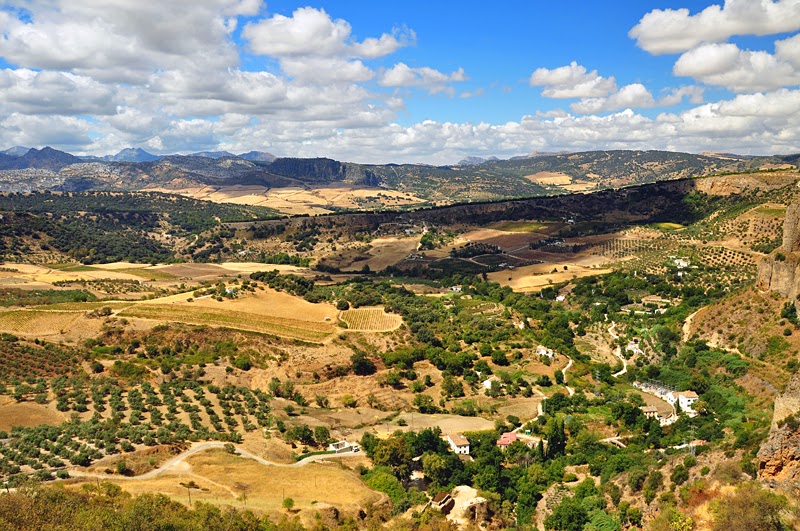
(50, 169)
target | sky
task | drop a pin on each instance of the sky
(400, 81)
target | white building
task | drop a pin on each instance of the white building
(541, 350)
(458, 443)
(686, 400)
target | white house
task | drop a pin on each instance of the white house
(686, 400)
(633, 346)
(458, 443)
(541, 350)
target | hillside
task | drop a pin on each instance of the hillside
(562, 321)
(131, 170)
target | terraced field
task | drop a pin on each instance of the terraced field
(279, 326)
(371, 320)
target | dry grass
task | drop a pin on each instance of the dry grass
(535, 277)
(546, 178)
(27, 414)
(224, 317)
(220, 475)
(297, 200)
(385, 252)
(371, 320)
(518, 226)
(273, 303)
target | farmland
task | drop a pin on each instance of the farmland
(371, 319)
(115, 371)
(281, 326)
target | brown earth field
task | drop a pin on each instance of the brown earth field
(27, 414)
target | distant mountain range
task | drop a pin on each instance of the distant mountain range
(133, 155)
(473, 179)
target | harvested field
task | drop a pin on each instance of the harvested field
(27, 414)
(550, 178)
(272, 303)
(302, 200)
(148, 273)
(447, 423)
(193, 270)
(506, 240)
(224, 317)
(518, 226)
(536, 277)
(371, 320)
(252, 267)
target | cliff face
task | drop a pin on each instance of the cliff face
(779, 455)
(780, 272)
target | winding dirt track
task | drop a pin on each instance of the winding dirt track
(202, 447)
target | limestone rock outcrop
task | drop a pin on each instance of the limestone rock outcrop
(779, 455)
(780, 271)
(791, 229)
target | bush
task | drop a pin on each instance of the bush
(349, 401)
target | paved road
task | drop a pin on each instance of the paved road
(202, 447)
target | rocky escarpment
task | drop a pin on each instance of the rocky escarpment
(779, 455)
(780, 272)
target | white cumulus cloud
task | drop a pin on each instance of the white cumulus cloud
(664, 31)
(402, 75)
(728, 66)
(572, 81)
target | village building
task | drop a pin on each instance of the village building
(541, 350)
(458, 443)
(506, 440)
(343, 446)
(650, 412)
(686, 400)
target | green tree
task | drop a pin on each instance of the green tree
(750, 508)
(362, 366)
(569, 515)
(394, 453)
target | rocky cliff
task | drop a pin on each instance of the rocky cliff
(779, 455)
(780, 271)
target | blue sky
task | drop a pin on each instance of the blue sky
(403, 81)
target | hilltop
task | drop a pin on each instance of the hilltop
(473, 180)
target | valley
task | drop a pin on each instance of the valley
(228, 349)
